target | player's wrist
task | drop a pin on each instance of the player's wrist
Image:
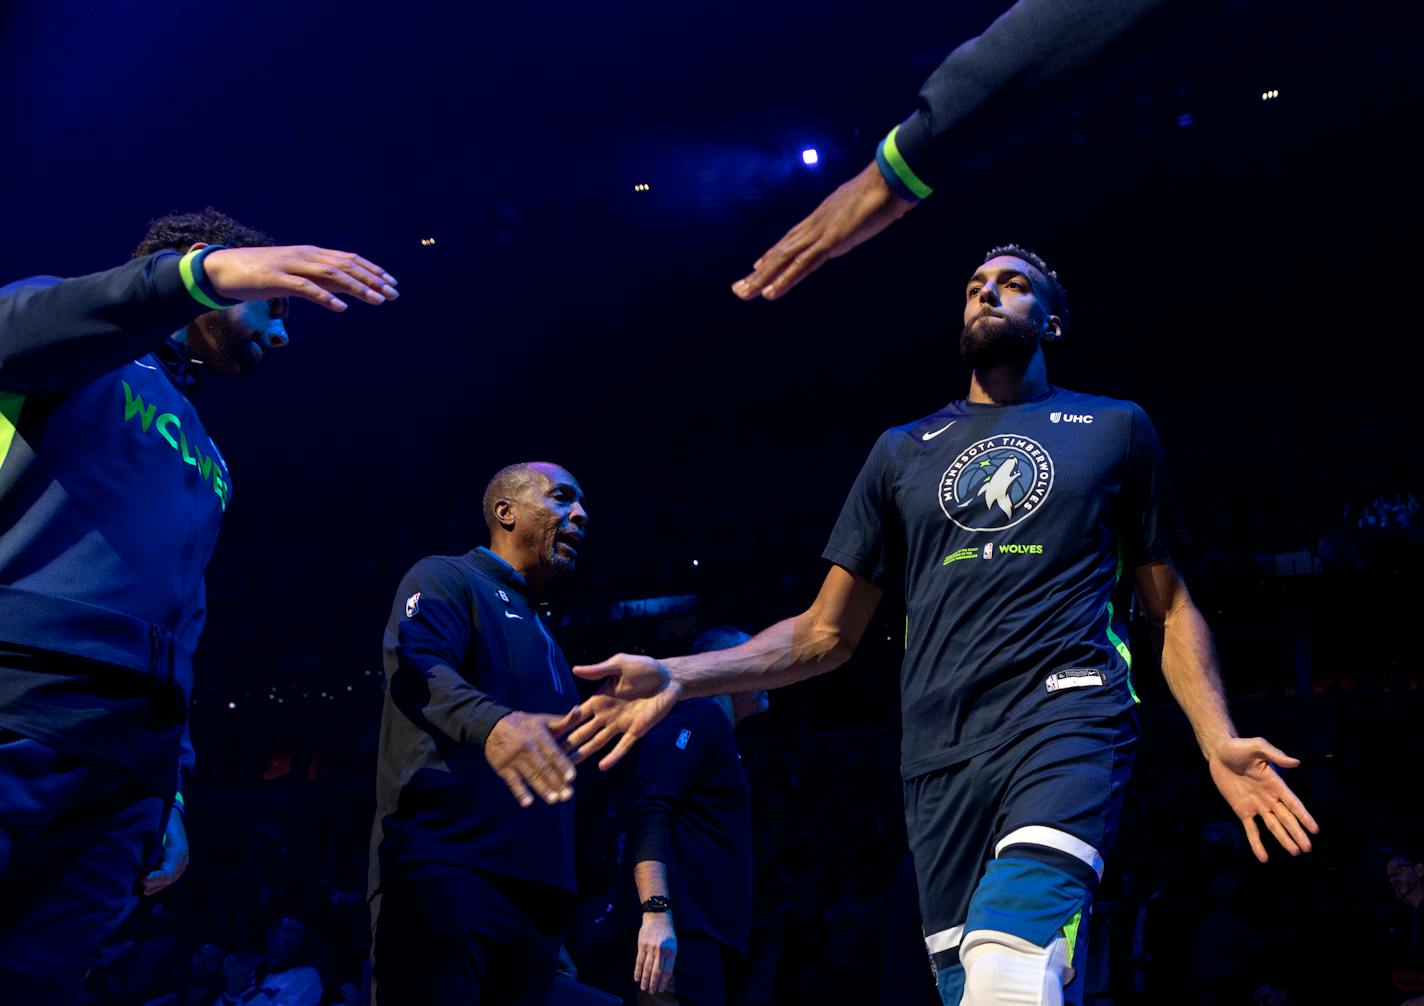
(1213, 746)
(675, 672)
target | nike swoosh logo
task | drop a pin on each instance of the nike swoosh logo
(510, 614)
(931, 436)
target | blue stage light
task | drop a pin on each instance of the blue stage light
(810, 157)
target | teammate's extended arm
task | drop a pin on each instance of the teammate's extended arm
(58, 333)
(640, 690)
(1007, 80)
(1243, 769)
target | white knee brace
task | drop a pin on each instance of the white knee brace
(1004, 970)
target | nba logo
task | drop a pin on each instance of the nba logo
(989, 550)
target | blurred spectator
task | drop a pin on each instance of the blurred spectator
(1226, 948)
(1405, 936)
(290, 981)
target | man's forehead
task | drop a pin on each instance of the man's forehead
(1001, 264)
(554, 475)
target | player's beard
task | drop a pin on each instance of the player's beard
(230, 346)
(1009, 342)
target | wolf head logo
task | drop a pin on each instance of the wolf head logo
(996, 489)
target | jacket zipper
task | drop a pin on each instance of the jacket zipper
(553, 670)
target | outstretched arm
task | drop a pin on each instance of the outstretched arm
(58, 333)
(638, 691)
(995, 88)
(851, 215)
(1243, 769)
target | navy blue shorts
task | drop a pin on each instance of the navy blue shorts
(1013, 839)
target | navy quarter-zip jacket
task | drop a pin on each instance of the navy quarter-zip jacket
(111, 496)
(464, 647)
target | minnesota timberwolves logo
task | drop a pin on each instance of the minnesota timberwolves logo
(996, 483)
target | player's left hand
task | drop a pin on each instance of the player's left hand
(1244, 770)
(175, 855)
(854, 213)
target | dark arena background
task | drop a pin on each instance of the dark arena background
(565, 193)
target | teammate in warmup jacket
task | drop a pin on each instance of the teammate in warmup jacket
(111, 494)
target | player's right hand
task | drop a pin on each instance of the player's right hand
(314, 274)
(523, 752)
(637, 693)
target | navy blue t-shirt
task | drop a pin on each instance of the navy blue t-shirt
(1011, 528)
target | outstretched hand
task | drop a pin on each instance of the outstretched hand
(523, 752)
(314, 274)
(637, 693)
(854, 213)
(1244, 770)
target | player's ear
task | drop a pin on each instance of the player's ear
(504, 513)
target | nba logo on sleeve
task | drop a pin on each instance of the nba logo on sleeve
(996, 483)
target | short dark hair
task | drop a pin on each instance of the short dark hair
(508, 482)
(180, 231)
(1407, 853)
(1057, 297)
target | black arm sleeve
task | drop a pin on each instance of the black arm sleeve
(1014, 76)
(55, 335)
(426, 647)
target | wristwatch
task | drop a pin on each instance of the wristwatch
(657, 903)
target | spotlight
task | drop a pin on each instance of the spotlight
(1270, 95)
(809, 156)
(427, 242)
(642, 187)
(232, 705)
(694, 562)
